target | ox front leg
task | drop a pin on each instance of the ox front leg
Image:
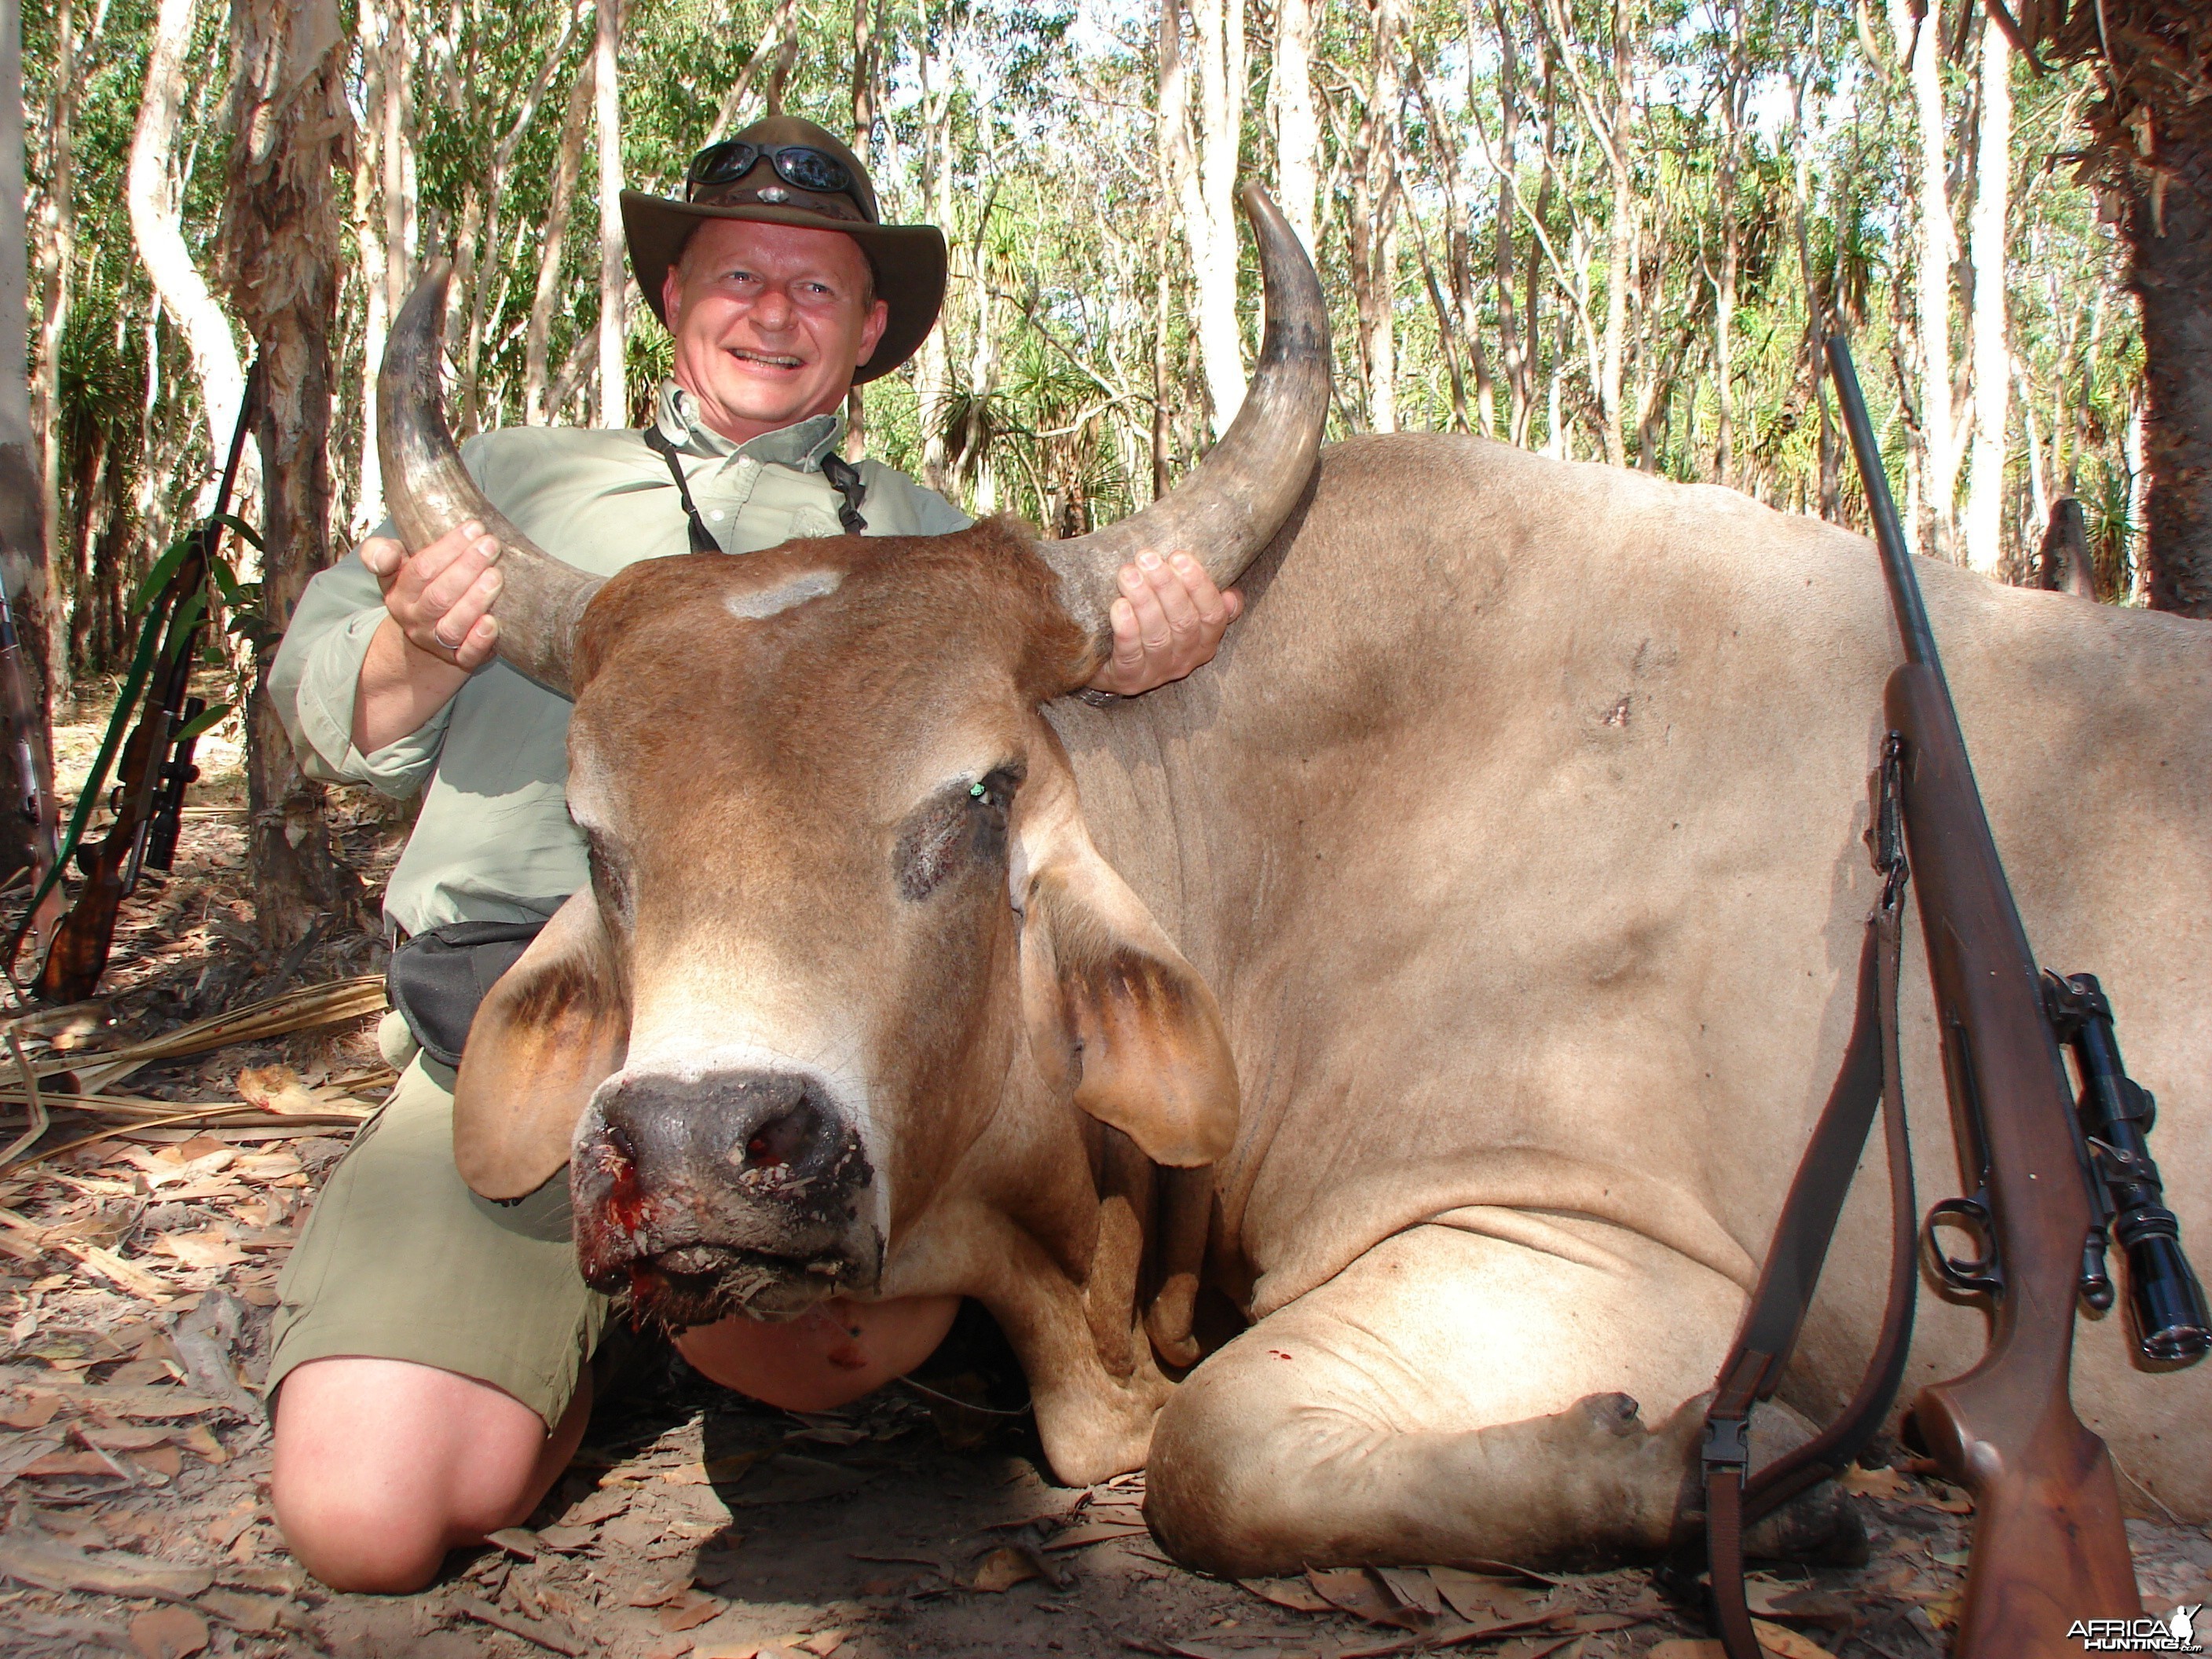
(1454, 1397)
(1092, 1378)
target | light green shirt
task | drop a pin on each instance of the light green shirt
(493, 841)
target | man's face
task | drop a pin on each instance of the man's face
(770, 321)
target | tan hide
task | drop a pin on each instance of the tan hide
(550, 1031)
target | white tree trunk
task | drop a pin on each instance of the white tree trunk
(398, 158)
(26, 768)
(536, 371)
(1297, 132)
(60, 238)
(369, 237)
(1938, 245)
(2038, 492)
(1516, 332)
(932, 376)
(1735, 96)
(1382, 392)
(1992, 352)
(1382, 164)
(1623, 230)
(1208, 189)
(775, 35)
(151, 193)
(614, 405)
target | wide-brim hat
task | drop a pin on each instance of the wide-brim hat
(909, 260)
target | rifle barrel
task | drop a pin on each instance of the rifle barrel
(247, 406)
(1888, 534)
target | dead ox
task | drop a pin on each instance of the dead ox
(1447, 977)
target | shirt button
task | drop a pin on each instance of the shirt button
(716, 515)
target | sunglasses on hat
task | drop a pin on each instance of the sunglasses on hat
(808, 169)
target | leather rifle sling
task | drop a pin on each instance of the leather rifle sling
(1734, 1499)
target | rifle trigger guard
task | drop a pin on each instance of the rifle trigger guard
(1971, 1275)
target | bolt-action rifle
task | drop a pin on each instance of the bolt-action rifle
(149, 796)
(2049, 1179)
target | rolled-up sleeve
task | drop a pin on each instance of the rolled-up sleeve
(313, 680)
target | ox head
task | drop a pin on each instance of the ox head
(844, 919)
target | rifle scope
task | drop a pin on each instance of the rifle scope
(2164, 1298)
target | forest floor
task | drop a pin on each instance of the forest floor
(137, 1279)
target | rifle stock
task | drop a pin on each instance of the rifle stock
(2049, 1545)
(79, 953)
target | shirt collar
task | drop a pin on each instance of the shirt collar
(800, 446)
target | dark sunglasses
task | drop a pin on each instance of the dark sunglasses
(795, 164)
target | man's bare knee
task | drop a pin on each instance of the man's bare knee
(350, 1542)
(382, 1466)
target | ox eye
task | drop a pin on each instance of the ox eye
(962, 828)
(610, 880)
(995, 788)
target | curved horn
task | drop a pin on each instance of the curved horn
(429, 492)
(1229, 508)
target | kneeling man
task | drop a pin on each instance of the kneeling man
(430, 1347)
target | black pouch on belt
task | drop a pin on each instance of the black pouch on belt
(438, 977)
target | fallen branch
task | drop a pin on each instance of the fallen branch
(117, 1271)
(530, 1630)
(132, 1110)
(58, 1567)
(224, 1116)
(36, 1116)
(280, 1016)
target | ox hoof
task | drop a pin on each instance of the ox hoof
(1818, 1528)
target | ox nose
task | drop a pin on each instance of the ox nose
(760, 1132)
(730, 1192)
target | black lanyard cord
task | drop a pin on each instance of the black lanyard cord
(702, 539)
(842, 477)
(845, 479)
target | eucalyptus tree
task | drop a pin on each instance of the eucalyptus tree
(154, 195)
(279, 254)
(2152, 125)
(24, 567)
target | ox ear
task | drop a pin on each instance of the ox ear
(1115, 1014)
(551, 1029)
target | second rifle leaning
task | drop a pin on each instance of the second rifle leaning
(157, 763)
(2052, 1177)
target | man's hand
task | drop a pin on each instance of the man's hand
(1168, 620)
(437, 631)
(442, 598)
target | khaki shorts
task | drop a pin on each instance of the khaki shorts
(401, 1261)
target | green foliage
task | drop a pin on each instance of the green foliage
(1055, 348)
